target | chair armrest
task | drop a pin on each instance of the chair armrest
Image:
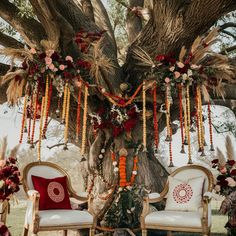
(207, 196)
(156, 197)
(83, 197)
(31, 193)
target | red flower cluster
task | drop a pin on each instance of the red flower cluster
(226, 180)
(9, 178)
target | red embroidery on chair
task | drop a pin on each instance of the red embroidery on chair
(56, 192)
(182, 193)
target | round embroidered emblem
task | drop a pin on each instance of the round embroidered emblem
(56, 192)
(182, 193)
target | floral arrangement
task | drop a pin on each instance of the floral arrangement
(9, 173)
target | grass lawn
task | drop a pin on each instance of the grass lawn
(15, 221)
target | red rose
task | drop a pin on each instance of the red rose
(215, 161)
(160, 58)
(233, 172)
(231, 162)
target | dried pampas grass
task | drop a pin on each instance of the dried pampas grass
(3, 148)
(229, 148)
(182, 53)
(49, 44)
(220, 157)
(206, 95)
(142, 57)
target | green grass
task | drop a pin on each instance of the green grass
(15, 222)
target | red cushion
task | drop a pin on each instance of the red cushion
(53, 192)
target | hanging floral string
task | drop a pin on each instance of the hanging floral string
(67, 118)
(188, 126)
(155, 121)
(47, 104)
(170, 150)
(201, 128)
(41, 128)
(185, 118)
(197, 121)
(167, 102)
(144, 118)
(35, 116)
(23, 117)
(64, 103)
(29, 123)
(210, 126)
(180, 94)
(84, 120)
(78, 115)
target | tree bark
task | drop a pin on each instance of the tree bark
(7, 41)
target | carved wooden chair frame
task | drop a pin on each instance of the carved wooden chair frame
(34, 197)
(205, 229)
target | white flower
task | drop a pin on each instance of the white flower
(172, 68)
(180, 64)
(103, 150)
(116, 169)
(114, 163)
(100, 156)
(134, 172)
(103, 90)
(190, 72)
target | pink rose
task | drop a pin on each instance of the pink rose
(172, 68)
(167, 80)
(48, 60)
(231, 182)
(62, 67)
(33, 51)
(69, 58)
(217, 188)
(177, 74)
(180, 64)
(223, 170)
(51, 67)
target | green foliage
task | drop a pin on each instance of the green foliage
(126, 208)
(25, 8)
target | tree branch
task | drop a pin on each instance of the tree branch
(229, 49)
(7, 41)
(30, 29)
(44, 15)
(103, 22)
(227, 25)
(229, 33)
(87, 8)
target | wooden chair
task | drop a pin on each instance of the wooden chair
(59, 219)
(185, 221)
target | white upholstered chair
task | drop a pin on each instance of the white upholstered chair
(56, 219)
(177, 220)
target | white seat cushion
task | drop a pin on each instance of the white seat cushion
(175, 219)
(64, 217)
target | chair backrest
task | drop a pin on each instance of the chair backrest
(43, 169)
(194, 171)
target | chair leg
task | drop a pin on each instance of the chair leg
(65, 232)
(144, 232)
(91, 232)
(25, 232)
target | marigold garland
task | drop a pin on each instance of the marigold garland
(29, 123)
(41, 128)
(64, 103)
(67, 118)
(197, 120)
(35, 116)
(201, 128)
(170, 150)
(185, 118)
(23, 118)
(47, 104)
(144, 118)
(155, 120)
(188, 126)
(210, 126)
(84, 129)
(167, 102)
(180, 94)
(78, 115)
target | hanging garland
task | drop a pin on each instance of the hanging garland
(84, 121)
(144, 119)
(210, 126)
(197, 121)
(78, 113)
(155, 120)
(188, 125)
(167, 102)
(23, 118)
(180, 95)
(67, 119)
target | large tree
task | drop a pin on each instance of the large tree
(172, 25)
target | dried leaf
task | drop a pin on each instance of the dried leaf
(229, 148)
(221, 157)
(182, 54)
(3, 148)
